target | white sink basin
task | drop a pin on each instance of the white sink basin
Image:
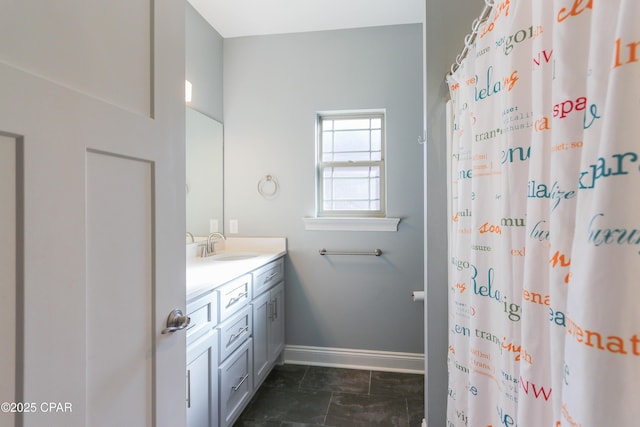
(233, 256)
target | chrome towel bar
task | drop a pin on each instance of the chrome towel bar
(323, 251)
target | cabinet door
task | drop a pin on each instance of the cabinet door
(202, 381)
(236, 383)
(276, 325)
(261, 326)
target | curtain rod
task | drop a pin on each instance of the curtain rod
(471, 38)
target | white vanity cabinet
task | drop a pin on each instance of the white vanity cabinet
(236, 337)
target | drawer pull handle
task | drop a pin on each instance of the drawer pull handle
(236, 299)
(273, 310)
(236, 387)
(271, 276)
(235, 336)
(188, 388)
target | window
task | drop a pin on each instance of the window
(350, 165)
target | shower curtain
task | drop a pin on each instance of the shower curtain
(544, 218)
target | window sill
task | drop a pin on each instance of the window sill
(351, 224)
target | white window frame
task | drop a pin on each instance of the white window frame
(321, 165)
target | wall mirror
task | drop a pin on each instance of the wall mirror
(204, 167)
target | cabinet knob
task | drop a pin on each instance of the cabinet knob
(176, 321)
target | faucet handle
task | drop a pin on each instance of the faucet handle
(202, 250)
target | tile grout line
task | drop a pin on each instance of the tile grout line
(406, 403)
(326, 414)
(303, 377)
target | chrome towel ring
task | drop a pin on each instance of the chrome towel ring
(268, 186)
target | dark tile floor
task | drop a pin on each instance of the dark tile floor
(313, 396)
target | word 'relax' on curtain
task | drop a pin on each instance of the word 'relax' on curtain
(544, 227)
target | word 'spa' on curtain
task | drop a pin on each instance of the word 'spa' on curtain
(544, 273)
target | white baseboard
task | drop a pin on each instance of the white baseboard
(354, 359)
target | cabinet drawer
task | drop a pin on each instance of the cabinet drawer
(236, 383)
(203, 312)
(267, 276)
(235, 331)
(234, 295)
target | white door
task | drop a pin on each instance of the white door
(91, 212)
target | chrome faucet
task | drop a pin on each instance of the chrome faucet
(189, 235)
(211, 242)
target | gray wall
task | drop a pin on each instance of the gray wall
(447, 22)
(274, 85)
(203, 64)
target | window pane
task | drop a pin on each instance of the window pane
(374, 188)
(327, 124)
(349, 206)
(351, 188)
(347, 124)
(376, 140)
(376, 123)
(327, 142)
(351, 141)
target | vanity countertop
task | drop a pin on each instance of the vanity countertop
(204, 274)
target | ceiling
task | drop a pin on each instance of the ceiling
(237, 18)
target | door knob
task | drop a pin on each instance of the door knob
(176, 321)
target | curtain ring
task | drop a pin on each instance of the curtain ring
(268, 187)
(476, 25)
(467, 40)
